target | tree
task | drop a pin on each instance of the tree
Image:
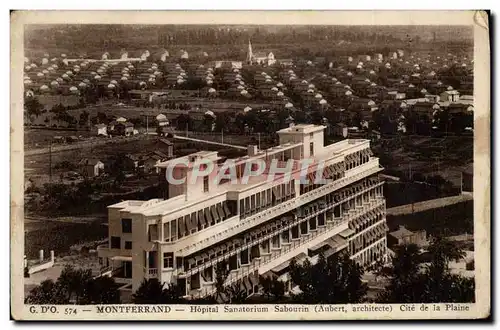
(48, 292)
(102, 290)
(152, 292)
(413, 281)
(221, 273)
(336, 280)
(440, 284)
(84, 117)
(405, 281)
(76, 286)
(75, 283)
(32, 106)
(272, 288)
(236, 294)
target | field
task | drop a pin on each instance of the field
(455, 219)
(61, 236)
(401, 193)
(36, 138)
(426, 155)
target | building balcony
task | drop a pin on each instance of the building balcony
(150, 272)
(234, 225)
(330, 218)
(294, 248)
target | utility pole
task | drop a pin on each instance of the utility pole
(50, 162)
(258, 135)
(222, 139)
(461, 182)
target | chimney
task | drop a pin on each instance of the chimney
(252, 150)
(52, 256)
(40, 255)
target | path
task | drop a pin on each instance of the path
(427, 205)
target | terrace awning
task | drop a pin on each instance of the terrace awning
(277, 192)
(220, 211)
(208, 216)
(121, 258)
(214, 213)
(347, 233)
(187, 223)
(194, 221)
(201, 218)
(226, 209)
(337, 243)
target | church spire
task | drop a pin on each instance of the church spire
(249, 53)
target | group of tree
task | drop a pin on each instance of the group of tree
(412, 276)
(58, 197)
(75, 286)
(416, 277)
(32, 107)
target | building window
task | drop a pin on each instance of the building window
(276, 241)
(153, 233)
(244, 257)
(128, 245)
(173, 230)
(312, 223)
(166, 231)
(115, 242)
(303, 228)
(168, 260)
(205, 183)
(295, 232)
(311, 148)
(265, 246)
(126, 225)
(285, 236)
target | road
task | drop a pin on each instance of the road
(427, 205)
(83, 144)
(210, 142)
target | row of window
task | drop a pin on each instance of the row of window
(266, 199)
(372, 254)
(357, 158)
(367, 238)
(191, 223)
(360, 224)
(294, 232)
(302, 227)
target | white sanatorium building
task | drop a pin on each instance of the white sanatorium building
(256, 228)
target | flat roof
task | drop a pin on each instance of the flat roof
(302, 128)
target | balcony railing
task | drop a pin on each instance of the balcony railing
(151, 271)
(294, 244)
(236, 225)
(327, 207)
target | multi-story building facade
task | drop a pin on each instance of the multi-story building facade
(256, 227)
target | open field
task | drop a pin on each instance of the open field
(426, 155)
(450, 220)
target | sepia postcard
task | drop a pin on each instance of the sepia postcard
(250, 165)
